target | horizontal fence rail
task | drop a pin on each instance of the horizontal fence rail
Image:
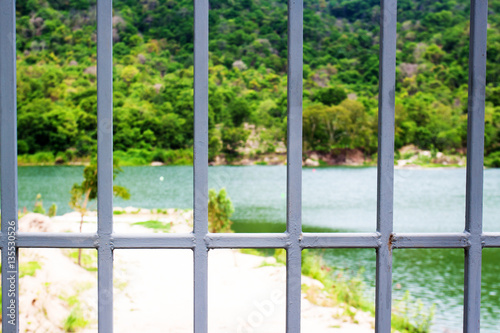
(255, 240)
(383, 240)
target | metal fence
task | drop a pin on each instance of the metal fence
(383, 240)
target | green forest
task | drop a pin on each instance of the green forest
(153, 78)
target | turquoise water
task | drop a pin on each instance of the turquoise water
(344, 199)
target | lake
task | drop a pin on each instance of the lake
(342, 199)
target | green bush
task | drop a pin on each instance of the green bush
(220, 209)
(492, 160)
(52, 210)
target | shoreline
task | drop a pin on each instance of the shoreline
(233, 269)
(408, 156)
(350, 166)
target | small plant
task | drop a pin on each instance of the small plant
(157, 226)
(410, 316)
(87, 257)
(220, 209)
(39, 205)
(52, 210)
(82, 194)
(75, 320)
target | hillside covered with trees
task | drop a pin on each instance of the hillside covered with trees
(153, 77)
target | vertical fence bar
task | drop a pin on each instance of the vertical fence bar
(385, 170)
(294, 164)
(8, 173)
(200, 165)
(475, 152)
(105, 163)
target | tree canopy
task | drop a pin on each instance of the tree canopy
(153, 74)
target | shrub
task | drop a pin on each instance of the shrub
(220, 209)
(52, 210)
(39, 205)
(493, 160)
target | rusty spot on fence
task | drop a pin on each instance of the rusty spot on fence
(390, 243)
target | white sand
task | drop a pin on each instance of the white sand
(154, 289)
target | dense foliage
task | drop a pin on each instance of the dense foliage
(220, 209)
(153, 75)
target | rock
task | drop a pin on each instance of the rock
(142, 58)
(240, 65)
(311, 163)
(158, 87)
(157, 163)
(33, 222)
(425, 153)
(246, 161)
(92, 70)
(73, 63)
(37, 21)
(354, 157)
(409, 148)
(408, 70)
(116, 35)
(117, 21)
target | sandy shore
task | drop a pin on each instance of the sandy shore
(154, 288)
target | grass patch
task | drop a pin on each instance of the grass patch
(40, 158)
(29, 268)
(159, 211)
(135, 157)
(409, 316)
(75, 321)
(157, 226)
(89, 258)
